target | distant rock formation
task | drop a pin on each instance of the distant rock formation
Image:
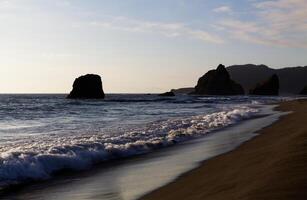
(218, 82)
(291, 79)
(87, 87)
(187, 90)
(304, 91)
(167, 94)
(268, 87)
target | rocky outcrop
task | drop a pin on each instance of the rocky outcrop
(218, 82)
(304, 91)
(291, 79)
(167, 94)
(87, 87)
(269, 87)
(187, 90)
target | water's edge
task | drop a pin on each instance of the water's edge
(132, 178)
(267, 120)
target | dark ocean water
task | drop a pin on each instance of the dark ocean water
(43, 134)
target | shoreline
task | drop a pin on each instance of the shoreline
(269, 166)
(132, 178)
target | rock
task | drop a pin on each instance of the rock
(187, 90)
(167, 94)
(87, 87)
(269, 87)
(291, 79)
(218, 82)
(304, 91)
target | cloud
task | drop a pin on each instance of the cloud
(285, 15)
(280, 4)
(276, 23)
(254, 33)
(166, 29)
(223, 9)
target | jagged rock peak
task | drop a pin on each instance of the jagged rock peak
(218, 82)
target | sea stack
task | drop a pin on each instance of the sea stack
(269, 87)
(218, 82)
(304, 91)
(87, 87)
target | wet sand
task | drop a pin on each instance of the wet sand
(271, 166)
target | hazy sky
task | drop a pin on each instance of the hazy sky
(142, 45)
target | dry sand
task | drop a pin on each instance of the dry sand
(271, 166)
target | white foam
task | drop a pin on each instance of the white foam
(35, 158)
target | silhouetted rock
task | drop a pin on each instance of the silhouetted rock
(87, 87)
(291, 79)
(269, 87)
(218, 82)
(167, 94)
(187, 90)
(304, 91)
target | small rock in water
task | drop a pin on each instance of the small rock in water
(167, 94)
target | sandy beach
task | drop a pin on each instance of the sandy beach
(271, 166)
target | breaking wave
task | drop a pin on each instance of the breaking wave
(39, 157)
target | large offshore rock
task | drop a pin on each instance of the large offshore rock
(304, 91)
(87, 87)
(218, 82)
(269, 87)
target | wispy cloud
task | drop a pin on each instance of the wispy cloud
(223, 9)
(277, 23)
(166, 29)
(285, 15)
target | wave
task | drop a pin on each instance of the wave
(40, 157)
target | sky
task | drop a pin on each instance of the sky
(143, 46)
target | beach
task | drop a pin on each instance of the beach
(153, 100)
(270, 166)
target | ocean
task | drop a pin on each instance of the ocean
(43, 135)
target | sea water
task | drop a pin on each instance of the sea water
(41, 135)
